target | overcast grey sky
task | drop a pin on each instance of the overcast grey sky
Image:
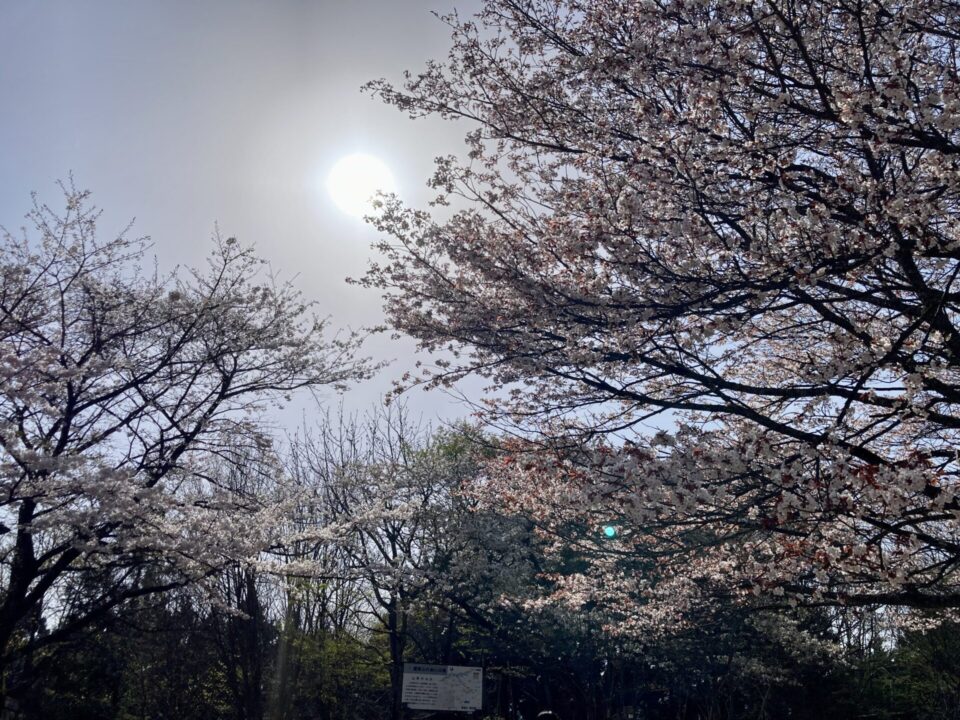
(185, 113)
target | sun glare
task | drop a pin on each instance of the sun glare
(355, 179)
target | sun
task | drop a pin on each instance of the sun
(355, 179)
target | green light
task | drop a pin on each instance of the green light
(610, 531)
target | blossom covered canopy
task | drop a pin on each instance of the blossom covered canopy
(131, 458)
(743, 214)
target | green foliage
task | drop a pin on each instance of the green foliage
(926, 674)
(918, 678)
(340, 677)
(157, 663)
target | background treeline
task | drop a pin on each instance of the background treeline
(390, 562)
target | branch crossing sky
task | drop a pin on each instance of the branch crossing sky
(186, 114)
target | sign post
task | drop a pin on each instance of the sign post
(454, 688)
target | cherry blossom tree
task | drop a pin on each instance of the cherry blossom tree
(385, 513)
(736, 220)
(123, 396)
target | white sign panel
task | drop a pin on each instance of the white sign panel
(442, 687)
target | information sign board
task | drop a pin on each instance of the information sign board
(442, 687)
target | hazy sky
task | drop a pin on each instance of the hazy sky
(185, 113)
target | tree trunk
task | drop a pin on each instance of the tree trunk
(396, 631)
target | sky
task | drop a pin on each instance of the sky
(186, 113)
